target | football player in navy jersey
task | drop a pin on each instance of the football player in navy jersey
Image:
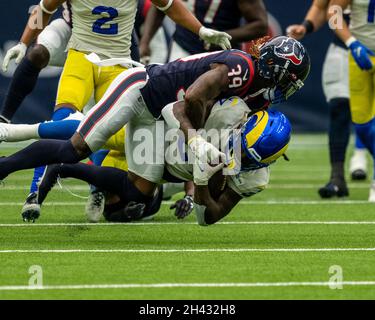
(244, 20)
(139, 96)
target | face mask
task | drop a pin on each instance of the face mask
(274, 95)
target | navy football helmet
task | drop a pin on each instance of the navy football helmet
(286, 62)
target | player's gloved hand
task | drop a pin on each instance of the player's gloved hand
(205, 152)
(203, 172)
(219, 38)
(361, 54)
(134, 211)
(18, 52)
(183, 207)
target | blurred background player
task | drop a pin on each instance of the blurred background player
(244, 20)
(162, 39)
(336, 89)
(360, 39)
(108, 37)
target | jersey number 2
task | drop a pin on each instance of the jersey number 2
(103, 25)
(371, 12)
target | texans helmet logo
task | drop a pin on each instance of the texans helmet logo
(291, 50)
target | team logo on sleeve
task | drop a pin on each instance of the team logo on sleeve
(290, 50)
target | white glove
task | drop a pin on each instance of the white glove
(205, 152)
(210, 36)
(18, 52)
(203, 172)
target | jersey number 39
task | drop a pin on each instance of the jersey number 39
(105, 25)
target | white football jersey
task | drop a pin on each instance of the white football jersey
(362, 23)
(228, 114)
(104, 27)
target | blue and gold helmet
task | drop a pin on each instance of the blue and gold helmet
(264, 137)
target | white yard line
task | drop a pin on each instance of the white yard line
(181, 223)
(270, 187)
(185, 285)
(222, 250)
(248, 202)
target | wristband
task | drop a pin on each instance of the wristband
(309, 26)
(350, 41)
(167, 6)
(41, 5)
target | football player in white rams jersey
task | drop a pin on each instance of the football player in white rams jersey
(359, 37)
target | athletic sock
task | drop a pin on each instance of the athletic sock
(358, 143)
(59, 115)
(339, 134)
(39, 153)
(60, 130)
(337, 175)
(366, 132)
(21, 85)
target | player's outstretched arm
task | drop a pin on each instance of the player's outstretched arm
(153, 22)
(316, 17)
(209, 210)
(256, 26)
(38, 20)
(360, 52)
(177, 11)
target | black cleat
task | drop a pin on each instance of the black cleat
(31, 209)
(359, 175)
(331, 190)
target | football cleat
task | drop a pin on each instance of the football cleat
(358, 165)
(95, 206)
(331, 190)
(4, 132)
(372, 193)
(31, 209)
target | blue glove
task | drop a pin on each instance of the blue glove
(361, 55)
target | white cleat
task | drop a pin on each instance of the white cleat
(95, 206)
(4, 132)
(358, 165)
(372, 193)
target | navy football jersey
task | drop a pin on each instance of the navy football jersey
(168, 83)
(220, 15)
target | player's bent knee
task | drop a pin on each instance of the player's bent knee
(80, 146)
(39, 56)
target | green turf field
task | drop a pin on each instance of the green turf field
(278, 245)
